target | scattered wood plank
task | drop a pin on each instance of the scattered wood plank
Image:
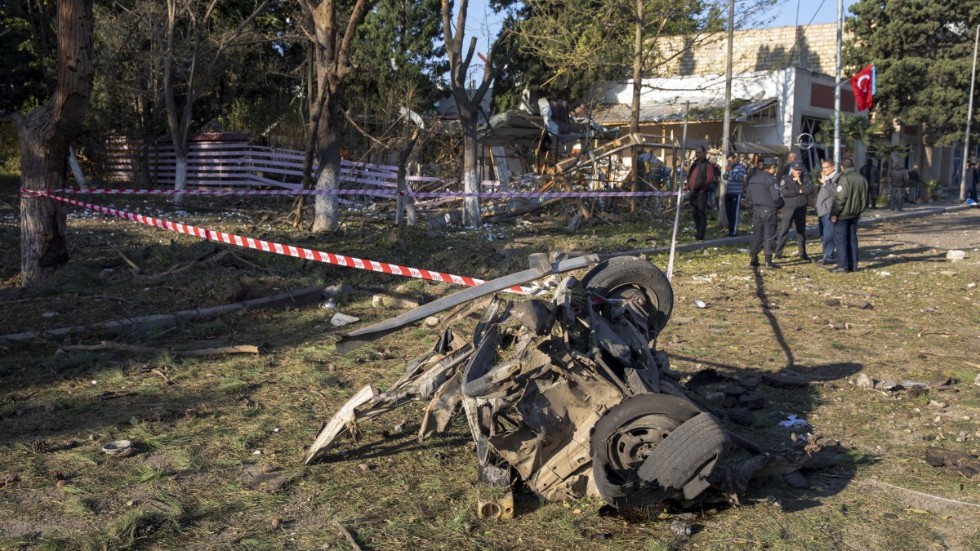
(346, 533)
(109, 345)
(218, 351)
(296, 297)
(221, 350)
(132, 265)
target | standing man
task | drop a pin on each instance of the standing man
(873, 176)
(898, 182)
(700, 178)
(790, 159)
(915, 183)
(850, 200)
(825, 202)
(972, 175)
(754, 168)
(795, 190)
(735, 176)
(762, 193)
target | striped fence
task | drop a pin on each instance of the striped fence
(237, 163)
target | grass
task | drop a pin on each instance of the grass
(192, 480)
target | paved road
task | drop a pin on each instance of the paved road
(962, 221)
(955, 229)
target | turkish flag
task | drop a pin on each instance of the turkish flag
(863, 85)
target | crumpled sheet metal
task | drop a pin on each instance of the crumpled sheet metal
(534, 381)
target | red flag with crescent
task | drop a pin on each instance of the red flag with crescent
(863, 85)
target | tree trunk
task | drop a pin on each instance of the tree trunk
(45, 135)
(307, 174)
(180, 172)
(313, 121)
(325, 207)
(76, 169)
(405, 204)
(471, 179)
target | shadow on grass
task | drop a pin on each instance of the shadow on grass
(770, 409)
(881, 256)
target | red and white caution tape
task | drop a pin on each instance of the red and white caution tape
(277, 248)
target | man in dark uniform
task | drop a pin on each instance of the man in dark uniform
(762, 193)
(700, 179)
(796, 189)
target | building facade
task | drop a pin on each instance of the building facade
(782, 91)
(783, 84)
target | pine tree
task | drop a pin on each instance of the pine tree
(923, 54)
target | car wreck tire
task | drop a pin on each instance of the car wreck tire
(687, 456)
(625, 437)
(624, 276)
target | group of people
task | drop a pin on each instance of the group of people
(702, 185)
(904, 185)
(779, 204)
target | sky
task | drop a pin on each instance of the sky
(789, 13)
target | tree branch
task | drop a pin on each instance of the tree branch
(356, 16)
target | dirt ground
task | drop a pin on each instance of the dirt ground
(219, 440)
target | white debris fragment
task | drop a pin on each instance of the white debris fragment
(700, 304)
(864, 381)
(340, 320)
(955, 255)
(794, 422)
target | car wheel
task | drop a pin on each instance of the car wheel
(643, 287)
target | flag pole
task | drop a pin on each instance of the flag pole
(969, 117)
(840, 41)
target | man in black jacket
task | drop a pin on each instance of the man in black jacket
(762, 193)
(850, 200)
(700, 179)
(795, 188)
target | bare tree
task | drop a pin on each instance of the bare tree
(45, 136)
(189, 72)
(332, 63)
(468, 102)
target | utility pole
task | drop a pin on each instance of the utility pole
(726, 128)
(840, 42)
(969, 118)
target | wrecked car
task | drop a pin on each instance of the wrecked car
(568, 392)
